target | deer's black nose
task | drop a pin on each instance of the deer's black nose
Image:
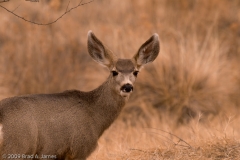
(127, 88)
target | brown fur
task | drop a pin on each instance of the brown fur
(125, 65)
(67, 124)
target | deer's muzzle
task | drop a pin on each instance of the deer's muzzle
(127, 88)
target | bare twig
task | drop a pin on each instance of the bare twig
(168, 139)
(134, 149)
(80, 2)
(180, 139)
(42, 24)
(32, 0)
(16, 8)
(67, 6)
(4, 1)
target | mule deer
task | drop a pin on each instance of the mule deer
(68, 125)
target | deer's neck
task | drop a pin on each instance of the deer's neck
(108, 104)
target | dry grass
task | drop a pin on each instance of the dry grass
(191, 91)
(218, 139)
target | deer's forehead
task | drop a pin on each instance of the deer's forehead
(125, 65)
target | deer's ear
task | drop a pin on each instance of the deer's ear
(98, 51)
(148, 52)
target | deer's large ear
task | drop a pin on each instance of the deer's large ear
(148, 52)
(98, 51)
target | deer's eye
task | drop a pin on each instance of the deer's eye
(135, 73)
(114, 73)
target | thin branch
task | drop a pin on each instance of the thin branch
(80, 2)
(67, 6)
(42, 24)
(32, 0)
(168, 139)
(180, 139)
(16, 8)
(134, 149)
(4, 1)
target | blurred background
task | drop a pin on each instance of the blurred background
(195, 77)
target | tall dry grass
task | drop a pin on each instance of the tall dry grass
(191, 91)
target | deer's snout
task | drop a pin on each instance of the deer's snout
(127, 88)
